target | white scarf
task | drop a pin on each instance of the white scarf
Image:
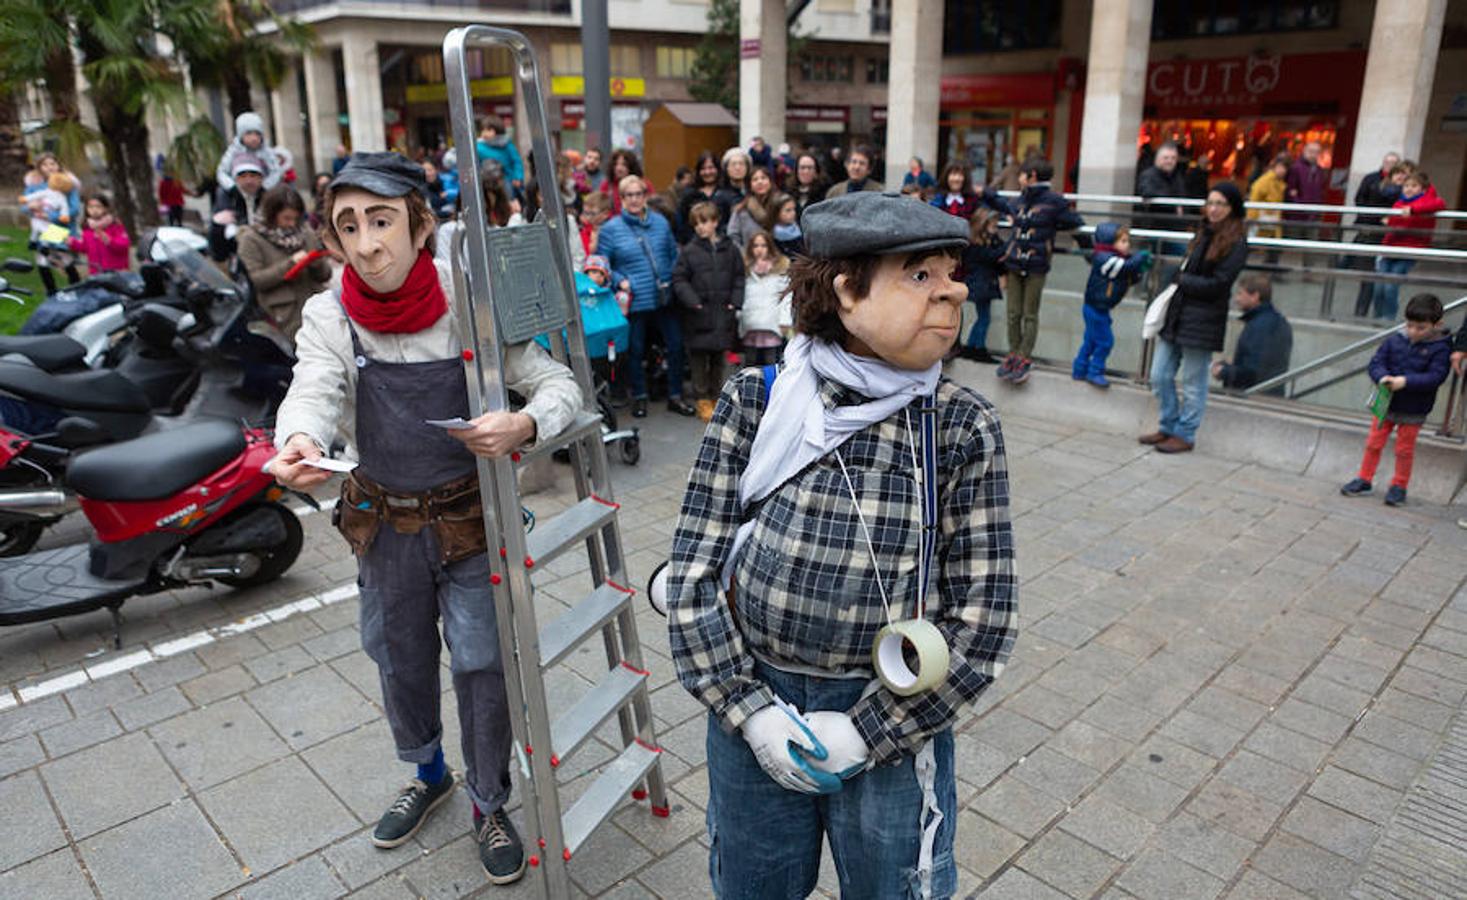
(796, 428)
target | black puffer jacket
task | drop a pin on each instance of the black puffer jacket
(1038, 215)
(1198, 314)
(708, 282)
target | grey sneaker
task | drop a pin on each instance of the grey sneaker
(500, 851)
(1395, 496)
(410, 810)
(1355, 487)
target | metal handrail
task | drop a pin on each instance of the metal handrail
(1337, 248)
(1282, 207)
(1334, 356)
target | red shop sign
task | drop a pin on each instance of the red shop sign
(1252, 85)
(974, 91)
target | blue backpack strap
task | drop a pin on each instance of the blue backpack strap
(770, 371)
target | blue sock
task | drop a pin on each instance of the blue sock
(432, 773)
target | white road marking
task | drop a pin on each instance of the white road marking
(11, 697)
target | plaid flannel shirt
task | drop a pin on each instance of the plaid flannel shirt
(806, 588)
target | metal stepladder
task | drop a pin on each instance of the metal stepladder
(519, 284)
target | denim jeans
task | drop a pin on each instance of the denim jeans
(1387, 296)
(1095, 349)
(665, 321)
(978, 334)
(766, 839)
(1194, 364)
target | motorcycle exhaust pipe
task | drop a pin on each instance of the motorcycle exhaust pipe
(38, 501)
(203, 568)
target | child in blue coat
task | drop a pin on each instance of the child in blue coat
(1412, 363)
(1112, 272)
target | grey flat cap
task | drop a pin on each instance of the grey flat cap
(870, 223)
(385, 174)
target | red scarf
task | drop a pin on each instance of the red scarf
(409, 309)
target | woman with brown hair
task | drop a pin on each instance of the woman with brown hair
(623, 163)
(754, 213)
(274, 245)
(1197, 319)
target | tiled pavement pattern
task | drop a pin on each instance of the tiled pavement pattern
(1227, 680)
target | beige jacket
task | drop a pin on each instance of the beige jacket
(267, 265)
(321, 402)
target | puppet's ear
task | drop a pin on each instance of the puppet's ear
(847, 297)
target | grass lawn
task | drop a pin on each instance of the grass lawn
(13, 244)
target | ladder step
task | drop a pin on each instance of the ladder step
(560, 533)
(566, 633)
(585, 424)
(612, 786)
(597, 705)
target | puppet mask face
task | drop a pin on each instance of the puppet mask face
(375, 235)
(912, 315)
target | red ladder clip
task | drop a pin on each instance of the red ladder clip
(624, 590)
(639, 794)
(642, 672)
(652, 747)
(609, 503)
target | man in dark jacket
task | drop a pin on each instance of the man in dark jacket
(235, 208)
(1038, 215)
(1266, 342)
(1376, 189)
(1164, 178)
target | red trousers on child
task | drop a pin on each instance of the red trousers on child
(1380, 432)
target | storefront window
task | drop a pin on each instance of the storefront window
(1240, 149)
(999, 25)
(1172, 19)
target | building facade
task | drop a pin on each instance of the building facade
(1232, 83)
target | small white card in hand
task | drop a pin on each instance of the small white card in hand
(330, 465)
(457, 423)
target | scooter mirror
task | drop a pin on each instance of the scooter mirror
(16, 265)
(76, 431)
(657, 589)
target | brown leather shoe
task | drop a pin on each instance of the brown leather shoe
(1173, 444)
(1152, 439)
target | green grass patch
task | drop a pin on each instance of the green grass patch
(13, 244)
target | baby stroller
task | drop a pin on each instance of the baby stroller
(606, 336)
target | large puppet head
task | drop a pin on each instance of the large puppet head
(879, 278)
(376, 218)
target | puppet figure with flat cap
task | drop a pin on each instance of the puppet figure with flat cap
(842, 575)
(378, 355)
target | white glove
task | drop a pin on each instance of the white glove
(773, 733)
(846, 751)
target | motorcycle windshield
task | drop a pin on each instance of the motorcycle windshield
(189, 263)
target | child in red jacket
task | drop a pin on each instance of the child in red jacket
(103, 239)
(1410, 227)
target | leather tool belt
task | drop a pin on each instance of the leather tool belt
(454, 511)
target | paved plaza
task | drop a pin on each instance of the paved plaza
(1230, 682)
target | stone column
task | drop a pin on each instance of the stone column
(1115, 88)
(762, 71)
(285, 104)
(1404, 41)
(914, 93)
(322, 115)
(363, 92)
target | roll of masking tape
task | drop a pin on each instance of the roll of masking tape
(910, 657)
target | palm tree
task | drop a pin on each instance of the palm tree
(232, 55)
(12, 148)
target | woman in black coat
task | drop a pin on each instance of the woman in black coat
(1197, 319)
(706, 177)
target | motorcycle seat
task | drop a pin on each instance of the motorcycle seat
(158, 465)
(52, 352)
(103, 390)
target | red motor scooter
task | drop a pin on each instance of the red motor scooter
(189, 506)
